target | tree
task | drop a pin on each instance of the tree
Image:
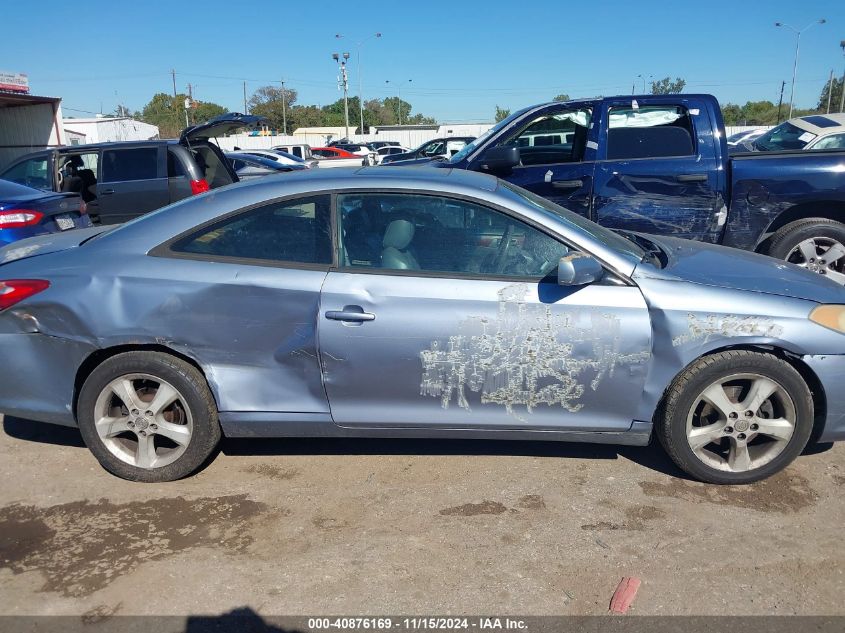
(732, 114)
(666, 86)
(267, 101)
(835, 96)
(502, 114)
(562, 97)
(168, 113)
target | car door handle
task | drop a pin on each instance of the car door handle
(350, 313)
(106, 192)
(692, 177)
(567, 184)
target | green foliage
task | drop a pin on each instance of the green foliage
(835, 96)
(267, 102)
(169, 113)
(666, 86)
(502, 114)
(562, 97)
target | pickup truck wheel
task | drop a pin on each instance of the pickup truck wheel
(817, 244)
(735, 417)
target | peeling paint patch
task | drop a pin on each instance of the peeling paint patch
(526, 356)
(703, 328)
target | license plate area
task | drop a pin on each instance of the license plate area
(64, 222)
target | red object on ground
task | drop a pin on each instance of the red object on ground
(624, 595)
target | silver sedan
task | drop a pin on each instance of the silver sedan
(414, 303)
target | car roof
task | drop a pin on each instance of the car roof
(821, 124)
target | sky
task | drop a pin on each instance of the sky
(455, 61)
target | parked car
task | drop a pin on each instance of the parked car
(741, 141)
(242, 314)
(659, 164)
(375, 145)
(353, 148)
(280, 157)
(336, 157)
(299, 150)
(25, 212)
(120, 181)
(376, 156)
(817, 131)
(247, 166)
(435, 148)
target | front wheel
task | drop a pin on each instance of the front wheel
(147, 416)
(736, 417)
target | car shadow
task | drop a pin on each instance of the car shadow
(652, 456)
(41, 432)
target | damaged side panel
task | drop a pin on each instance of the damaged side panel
(456, 353)
(251, 329)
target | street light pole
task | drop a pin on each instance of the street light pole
(344, 83)
(360, 73)
(842, 93)
(798, 33)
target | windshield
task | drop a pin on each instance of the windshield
(469, 148)
(784, 137)
(607, 237)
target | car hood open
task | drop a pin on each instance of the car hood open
(724, 267)
(221, 125)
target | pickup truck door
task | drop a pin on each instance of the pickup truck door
(658, 170)
(557, 150)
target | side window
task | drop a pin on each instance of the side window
(139, 163)
(834, 141)
(443, 235)
(434, 149)
(175, 168)
(556, 137)
(32, 173)
(296, 231)
(649, 132)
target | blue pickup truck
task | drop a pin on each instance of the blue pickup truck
(660, 164)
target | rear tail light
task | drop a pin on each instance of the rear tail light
(13, 291)
(199, 186)
(16, 218)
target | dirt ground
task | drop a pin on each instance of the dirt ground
(412, 527)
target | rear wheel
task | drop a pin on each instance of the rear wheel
(817, 244)
(147, 416)
(736, 417)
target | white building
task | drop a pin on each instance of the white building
(28, 123)
(104, 129)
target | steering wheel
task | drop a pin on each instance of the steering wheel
(504, 247)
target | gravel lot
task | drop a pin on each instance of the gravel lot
(370, 527)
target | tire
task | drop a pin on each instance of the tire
(167, 437)
(680, 421)
(790, 243)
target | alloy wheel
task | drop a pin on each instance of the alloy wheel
(741, 422)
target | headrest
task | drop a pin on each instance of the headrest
(398, 235)
(76, 161)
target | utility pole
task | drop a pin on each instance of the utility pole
(829, 90)
(343, 82)
(284, 113)
(399, 94)
(189, 102)
(780, 101)
(173, 74)
(245, 112)
(360, 74)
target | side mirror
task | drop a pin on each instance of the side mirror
(578, 269)
(500, 158)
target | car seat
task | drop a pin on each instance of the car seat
(396, 243)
